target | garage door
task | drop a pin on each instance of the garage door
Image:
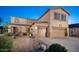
(58, 32)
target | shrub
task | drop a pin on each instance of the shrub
(5, 43)
(9, 34)
(56, 48)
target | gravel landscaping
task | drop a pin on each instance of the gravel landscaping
(22, 44)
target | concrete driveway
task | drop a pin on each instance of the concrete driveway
(71, 43)
(26, 44)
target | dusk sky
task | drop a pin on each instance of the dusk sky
(34, 12)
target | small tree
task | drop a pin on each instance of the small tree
(5, 43)
(56, 48)
(0, 20)
(5, 29)
(0, 26)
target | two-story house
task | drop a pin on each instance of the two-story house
(53, 23)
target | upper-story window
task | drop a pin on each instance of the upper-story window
(59, 16)
(56, 16)
(63, 17)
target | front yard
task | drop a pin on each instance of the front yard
(26, 44)
(21, 44)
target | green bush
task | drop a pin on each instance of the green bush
(9, 34)
(56, 48)
(5, 43)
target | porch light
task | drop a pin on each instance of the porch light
(35, 27)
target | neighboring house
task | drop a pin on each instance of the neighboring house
(17, 25)
(53, 23)
(74, 30)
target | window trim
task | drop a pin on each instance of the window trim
(63, 17)
(58, 16)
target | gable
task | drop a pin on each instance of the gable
(44, 17)
(60, 10)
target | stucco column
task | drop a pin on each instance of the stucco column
(36, 31)
(67, 32)
(50, 31)
(67, 17)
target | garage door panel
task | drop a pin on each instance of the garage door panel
(58, 32)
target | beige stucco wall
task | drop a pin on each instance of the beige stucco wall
(19, 28)
(22, 24)
(21, 20)
(42, 26)
(52, 23)
(57, 23)
(45, 17)
(39, 29)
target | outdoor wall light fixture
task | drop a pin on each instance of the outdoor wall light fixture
(35, 27)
